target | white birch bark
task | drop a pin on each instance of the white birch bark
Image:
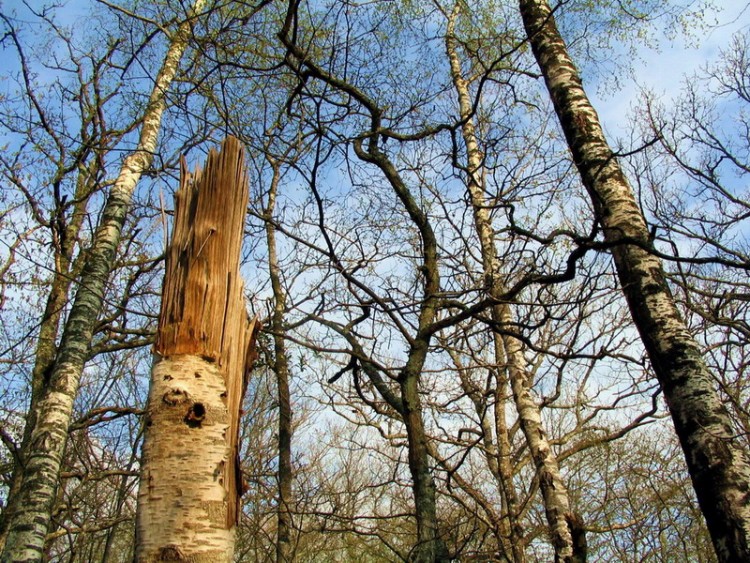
(718, 464)
(190, 488)
(508, 349)
(27, 530)
(184, 465)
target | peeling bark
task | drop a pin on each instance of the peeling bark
(183, 504)
(188, 501)
(554, 491)
(28, 528)
(718, 464)
(66, 269)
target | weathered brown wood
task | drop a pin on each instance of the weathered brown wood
(190, 485)
(202, 291)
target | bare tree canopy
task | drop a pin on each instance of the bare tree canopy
(494, 327)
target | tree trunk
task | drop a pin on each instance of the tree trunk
(497, 452)
(514, 546)
(66, 269)
(284, 546)
(717, 462)
(554, 491)
(43, 362)
(508, 351)
(36, 495)
(430, 545)
(188, 501)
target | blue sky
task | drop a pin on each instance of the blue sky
(664, 71)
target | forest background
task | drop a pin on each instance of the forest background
(342, 242)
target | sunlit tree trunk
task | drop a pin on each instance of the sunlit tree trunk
(188, 501)
(564, 526)
(497, 452)
(43, 363)
(66, 269)
(508, 350)
(717, 462)
(501, 467)
(36, 494)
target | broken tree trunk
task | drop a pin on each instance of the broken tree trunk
(190, 487)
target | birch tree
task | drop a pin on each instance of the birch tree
(698, 154)
(564, 525)
(431, 241)
(188, 502)
(47, 440)
(718, 464)
(75, 164)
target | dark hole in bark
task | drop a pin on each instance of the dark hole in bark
(168, 377)
(219, 469)
(195, 415)
(197, 375)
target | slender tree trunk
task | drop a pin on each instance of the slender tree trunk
(717, 462)
(66, 269)
(496, 449)
(123, 496)
(430, 545)
(508, 350)
(554, 492)
(36, 495)
(190, 487)
(485, 232)
(284, 546)
(515, 543)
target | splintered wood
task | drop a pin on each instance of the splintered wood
(203, 311)
(188, 503)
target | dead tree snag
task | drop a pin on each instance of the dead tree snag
(188, 501)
